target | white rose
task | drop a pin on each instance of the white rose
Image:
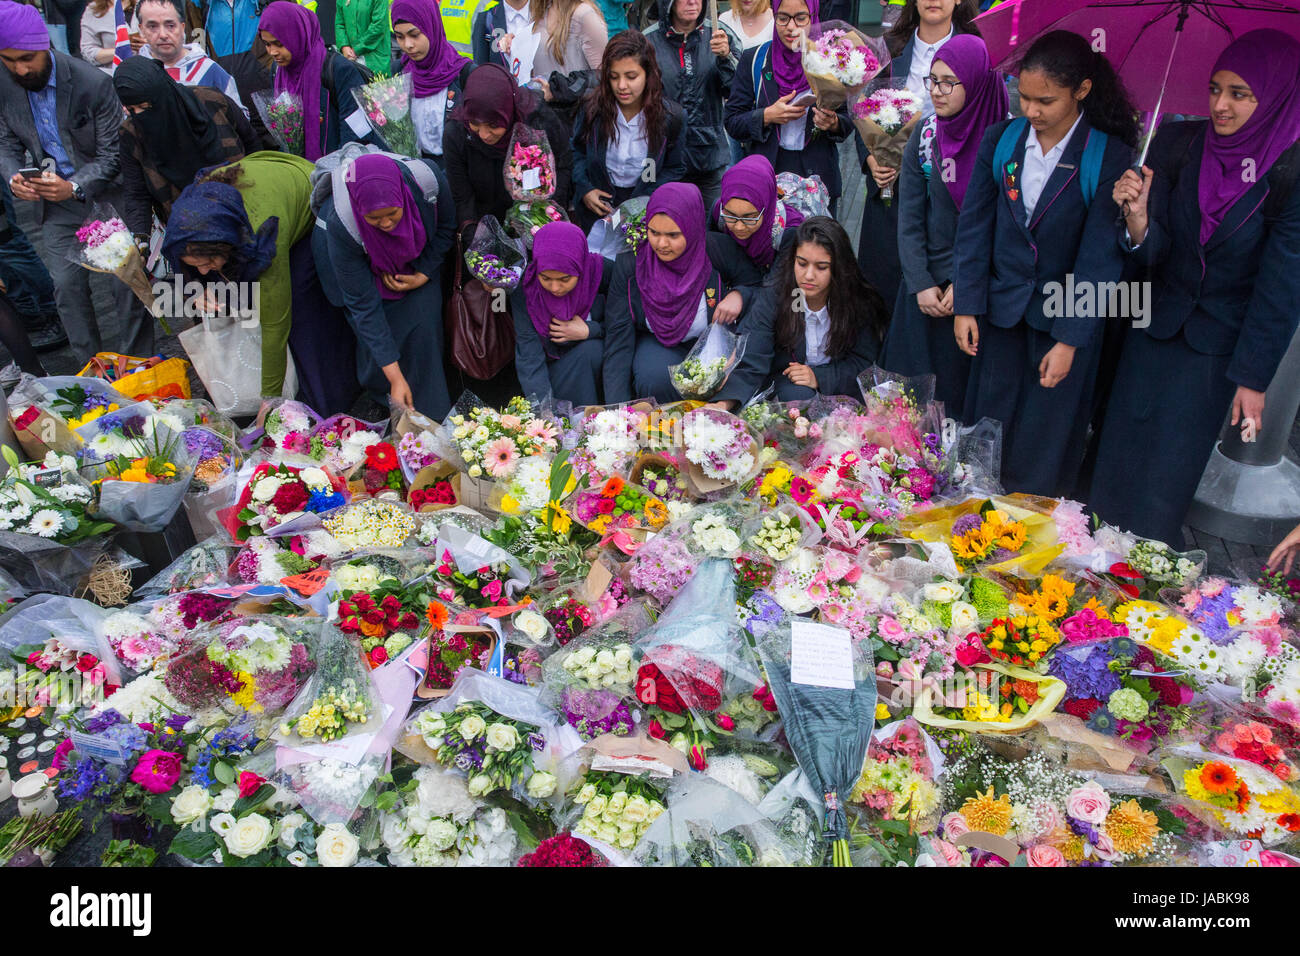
(314, 478)
(265, 489)
(942, 591)
(441, 835)
(607, 833)
(626, 839)
(532, 624)
(472, 726)
(250, 835)
(480, 784)
(618, 801)
(336, 846)
(541, 785)
(656, 808)
(191, 804)
(605, 660)
(368, 577)
(595, 807)
(297, 858)
(964, 616)
(592, 673)
(502, 737)
(585, 656)
(623, 655)
(637, 810)
(222, 824)
(585, 794)
(289, 825)
(347, 577)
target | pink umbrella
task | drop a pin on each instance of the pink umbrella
(1162, 49)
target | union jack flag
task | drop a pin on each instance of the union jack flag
(122, 43)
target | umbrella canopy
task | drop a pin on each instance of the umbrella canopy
(1141, 37)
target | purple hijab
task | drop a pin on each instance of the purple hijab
(561, 247)
(378, 184)
(958, 137)
(787, 64)
(298, 30)
(671, 291)
(1269, 61)
(442, 63)
(753, 180)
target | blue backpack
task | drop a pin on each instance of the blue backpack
(1094, 149)
(760, 61)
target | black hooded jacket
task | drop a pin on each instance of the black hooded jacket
(700, 81)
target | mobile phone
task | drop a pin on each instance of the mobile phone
(31, 172)
(806, 98)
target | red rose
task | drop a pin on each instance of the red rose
(375, 616)
(381, 457)
(290, 496)
(26, 418)
(349, 625)
(87, 662)
(408, 622)
(390, 603)
(725, 722)
(249, 782)
(346, 609)
(378, 655)
(656, 730)
(697, 758)
(653, 688)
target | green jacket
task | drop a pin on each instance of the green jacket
(277, 184)
(365, 26)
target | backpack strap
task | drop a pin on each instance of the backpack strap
(1006, 146)
(1094, 150)
(761, 54)
(424, 178)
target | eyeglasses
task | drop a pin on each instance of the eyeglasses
(742, 220)
(800, 19)
(944, 87)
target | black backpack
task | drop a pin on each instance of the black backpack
(327, 71)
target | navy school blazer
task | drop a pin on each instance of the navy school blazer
(743, 118)
(625, 314)
(345, 272)
(1003, 263)
(1237, 294)
(590, 151)
(764, 361)
(486, 23)
(532, 352)
(927, 221)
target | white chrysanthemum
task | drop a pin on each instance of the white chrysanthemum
(46, 523)
(442, 794)
(71, 492)
(1242, 658)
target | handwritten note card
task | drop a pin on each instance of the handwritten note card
(820, 655)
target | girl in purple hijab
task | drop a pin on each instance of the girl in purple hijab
(664, 296)
(292, 37)
(938, 161)
(559, 313)
(1221, 254)
(437, 70)
(385, 273)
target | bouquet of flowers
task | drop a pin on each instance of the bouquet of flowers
(530, 165)
(525, 218)
(431, 820)
(107, 246)
(137, 641)
(282, 115)
(1149, 566)
(387, 105)
(452, 648)
(991, 698)
(590, 680)
(142, 489)
(664, 477)
(46, 413)
(495, 442)
(274, 494)
(494, 258)
(708, 363)
(1055, 816)
(382, 612)
(719, 447)
(255, 665)
(884, 119)
(342, 442)
(175, 616)
(370, 523)
(618, 505)
(52, 670)
(47, 501)
(621, 231)
(1123, 689)
(839, 61)
(898, 780)
(1000, 534)
(337, 700)
(1218, 608)
(563, 849)
(609, 440)
(286, 430)
(1239, 796)
(217, 461)
(266, 560)
(616, 808)
(494, 750)
(484, 586)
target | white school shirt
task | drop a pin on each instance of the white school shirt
(817, 328)
(1039, 166)
(625, 159)
(922, 60)
(792, 133)
(428, 114)
(524, 45)
(701, 321)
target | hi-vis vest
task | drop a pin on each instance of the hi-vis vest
(458, 23)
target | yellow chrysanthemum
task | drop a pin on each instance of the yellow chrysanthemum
(245, 696)
(987, 813)
(1163, 635)
(1131, 829)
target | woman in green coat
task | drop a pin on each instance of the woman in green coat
(362, 31)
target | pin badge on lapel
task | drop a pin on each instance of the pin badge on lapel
(709, 298)
(1009, 180)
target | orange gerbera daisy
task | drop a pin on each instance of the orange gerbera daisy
(613, 487)
(656, 513)
(1218, 777)
(437, 615)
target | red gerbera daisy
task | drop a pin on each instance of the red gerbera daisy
(381, 457)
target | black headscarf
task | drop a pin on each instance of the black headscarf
(179, 135)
